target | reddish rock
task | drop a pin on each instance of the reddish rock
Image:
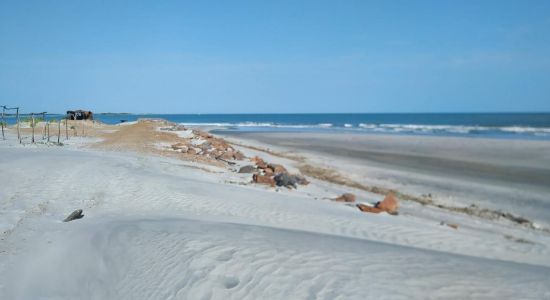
(261, 179)
(260, 163)
(370, 209)
(347, 197)
(389, 204)
(227, 155)
(454, 226)
(237, 155)
(277, 168)
(268, 172)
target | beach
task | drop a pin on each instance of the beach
(160, 222)
(496, 173)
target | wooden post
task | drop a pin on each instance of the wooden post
(48, 131)
(44, 120)
(58, 131)
(66, 129)
(2, 121)
(32, 125)
(18, 127)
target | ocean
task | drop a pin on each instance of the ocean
(495, 125)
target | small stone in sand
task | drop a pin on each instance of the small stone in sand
(263, 179)
(347, 197)
(247, 169)
(77, 214)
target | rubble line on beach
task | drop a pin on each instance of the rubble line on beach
(333, 176)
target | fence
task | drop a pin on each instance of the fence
(47, 133)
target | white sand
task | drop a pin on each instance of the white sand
(156, 228)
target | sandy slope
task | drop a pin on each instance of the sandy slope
(181, 258)
(159, 228)
(512, 175)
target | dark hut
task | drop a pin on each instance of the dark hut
(80, 115)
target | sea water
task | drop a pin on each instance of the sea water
(497, 125)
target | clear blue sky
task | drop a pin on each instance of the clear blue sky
(275, 56)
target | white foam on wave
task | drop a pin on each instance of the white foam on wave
(456, 129)
(394, 128)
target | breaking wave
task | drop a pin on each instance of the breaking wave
(388, 128)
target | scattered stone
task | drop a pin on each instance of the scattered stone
(453, 226)
(365, 208)
(181, 147)
(227, 155)
(238, 155)
(276, 168)
(77, 214)
(347, 197)
(268, 172)
(247, 169)
(389, 204)
(301, 180)
(261, 179)
(260, 163)
(286, 180)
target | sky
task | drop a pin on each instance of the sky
(275, 56)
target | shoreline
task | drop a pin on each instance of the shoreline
(511, 170)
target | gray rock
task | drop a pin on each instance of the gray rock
(75, 215)
(286, 180)
(247, 169)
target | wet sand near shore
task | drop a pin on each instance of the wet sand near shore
(510, 161)
(509, 175)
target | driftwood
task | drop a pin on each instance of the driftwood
(75, 215)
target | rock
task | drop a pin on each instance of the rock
(227, 155)
(389, 204)
(454, 226)
(277, 168)
(284, 179)
(75, 215)
(263, 179)
(268, 172)
(238, 155)
(179, 146)
(301, 180)
(347, 197)
(370, 209)
(260, 163)
(247, 169)
(205, 146)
